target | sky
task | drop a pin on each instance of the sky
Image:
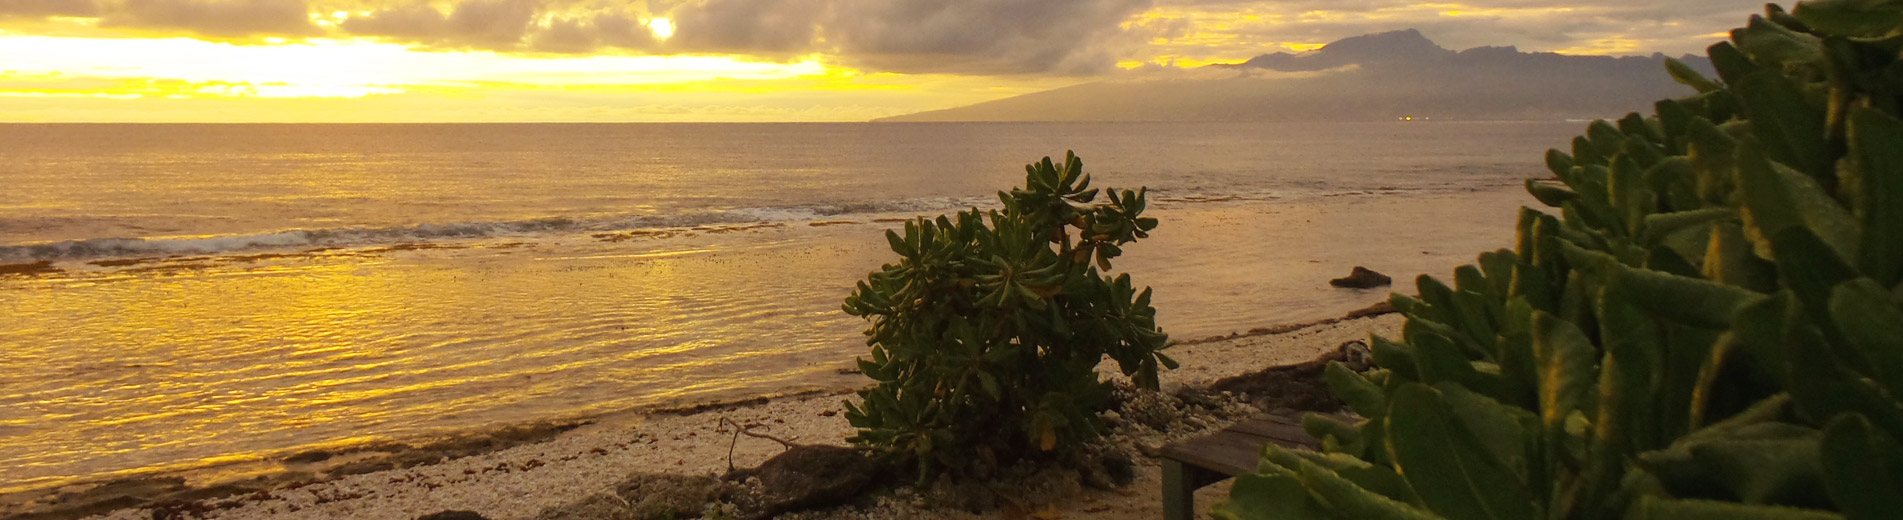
(710, 60)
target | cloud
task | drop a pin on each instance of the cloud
(981, 36)
(584, 34)
(488, 24)
(44, 8)
(221, 18)
(1239, 28)
(778, 28)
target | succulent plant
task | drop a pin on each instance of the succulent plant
(1710, 327)
(987, 332)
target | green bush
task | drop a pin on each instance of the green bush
(986, 334)
(1711, 328)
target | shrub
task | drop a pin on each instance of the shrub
(986, 334)
(1711, 328)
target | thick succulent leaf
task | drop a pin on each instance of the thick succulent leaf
(1654, 508)
(1394, 357)
(1269, 497)
(1550, 194)
(1711, 153)
(1565, 359)
(1874, 139)
(1454, 475)
(1351, 500)
(1361, 395)
(1781, 471)
(1505, 432)
(1788, 127)
(1874, 328)
(1690, 301)
(1732, 65)
(1729, 260)
(1689, 77)
(1776, 47)
(1657, 226)
(1862, 18)
(1777, 199)
(1377, 478)
(1863, 469)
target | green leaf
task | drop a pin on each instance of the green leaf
(1565, 360)
(1878, 189)
(1684, 74)
(1268, 497)
(1732, 65)
(1788, 126)
(1777, 199)
(1862, 18)
(1350, 499)
(1655, 508)
(1549, 194)
(1450, 470)
(1861, 469)
(1361, 395)
(1874, 327)
(1690, 301)
(1765, 470)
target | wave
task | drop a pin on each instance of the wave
(357, 237)
(93, 248)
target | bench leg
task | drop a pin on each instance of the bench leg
(1179, 491)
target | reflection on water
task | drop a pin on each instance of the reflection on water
(215, 293)
(214, 360)
(106, 373)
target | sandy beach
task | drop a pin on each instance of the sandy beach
(587, 462)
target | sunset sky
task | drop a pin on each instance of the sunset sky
(710, 60)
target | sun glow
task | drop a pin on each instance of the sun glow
(662, 27)
(340, 68)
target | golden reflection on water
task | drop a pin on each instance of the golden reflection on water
(108, 375)
(212, 365)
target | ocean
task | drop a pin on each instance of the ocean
(194, 296)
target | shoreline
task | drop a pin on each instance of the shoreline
(517, 470)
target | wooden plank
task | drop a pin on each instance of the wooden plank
(1280, 433)
(1228, 452)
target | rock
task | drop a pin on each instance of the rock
(807, 477)
(308, 457)
(453, 515)
(1362, 278)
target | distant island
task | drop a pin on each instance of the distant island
(1398, 75)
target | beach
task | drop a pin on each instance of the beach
(522, 482)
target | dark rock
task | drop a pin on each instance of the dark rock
(807, 477)
(1362, 278)
(308, 457)
(453, 515)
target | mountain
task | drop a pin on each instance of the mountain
(1376, 77)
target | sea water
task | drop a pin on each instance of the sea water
(183, 296)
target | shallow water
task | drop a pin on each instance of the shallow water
(222, 293)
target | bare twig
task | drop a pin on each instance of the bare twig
(785, 444)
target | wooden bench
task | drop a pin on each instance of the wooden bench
(1189, 465)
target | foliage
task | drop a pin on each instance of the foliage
(986, 334)
(1711, 328)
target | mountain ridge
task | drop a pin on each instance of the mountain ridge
(1381, 76)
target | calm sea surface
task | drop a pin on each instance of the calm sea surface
(228, 293)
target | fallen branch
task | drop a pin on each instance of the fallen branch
(785, 444)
